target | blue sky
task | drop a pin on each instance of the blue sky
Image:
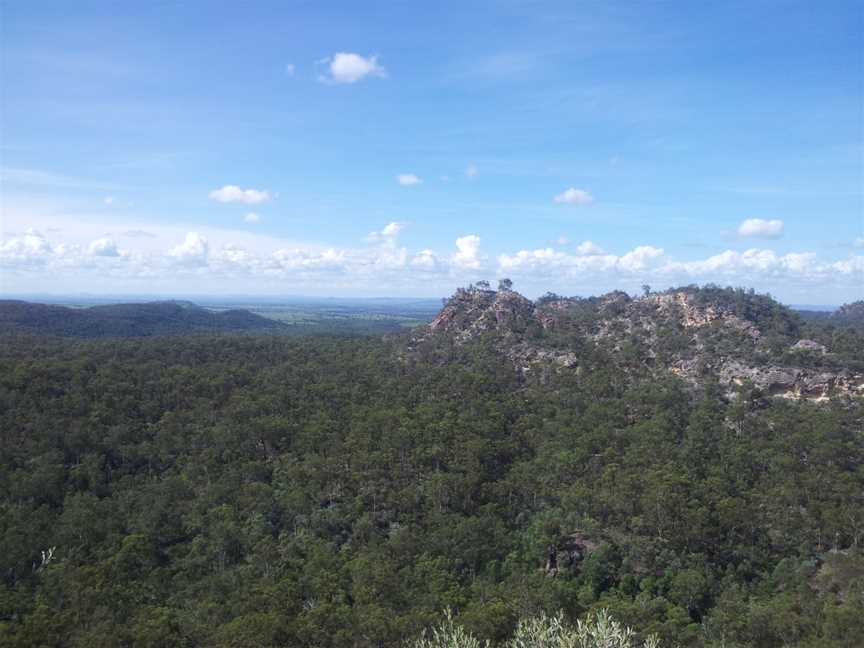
(405, 149)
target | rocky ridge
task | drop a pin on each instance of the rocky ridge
(692, 333)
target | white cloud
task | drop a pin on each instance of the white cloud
(164, 258)
(387, 235)
(859, 242)
(346, 67)
(252, 217)
(298, 259)
(640, 258)
(550, 263)
(233, 193)
(290, 69)
(755, 264)
(588, 248)
(408, 179)
(108, 200)
(193, 251)
(29, 249)
(758, 227)
(573, 196)
(534, 259)
(392, 229)
(425, 259)
(467, 252)
(103, 247)
(234, 260)
(471, 171)
(853, 266)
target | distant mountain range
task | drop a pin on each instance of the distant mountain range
(128, 320)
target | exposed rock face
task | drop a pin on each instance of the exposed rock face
(809, 346)
(792, 382)
(708, 339)
(682, 305)
(473, 311)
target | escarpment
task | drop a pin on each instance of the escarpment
(741, 341)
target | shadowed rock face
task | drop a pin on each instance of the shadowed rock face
(522, 330)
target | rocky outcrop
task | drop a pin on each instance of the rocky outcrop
(793, 382)
(808, 346)
(473, 311)
(682, 306)
(522, 330)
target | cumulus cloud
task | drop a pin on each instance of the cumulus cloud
(347, 67)
(193, 251)
(740, 267)
(108, 200)
(426, 260)
(573, 196)
(29, 249)
(299, 259)
(554, 263)
(408, 179)
(533, 260)
(103, 247)
(640, 258)
(853, 266)
(209, 259)
(290, 69)
(233, 193)
(393, 229)
(471, 171)
(467, 253)
(387, 254)
(760, 228)
(252, 217)
(588, 248)
(754, 262)
(387, 235)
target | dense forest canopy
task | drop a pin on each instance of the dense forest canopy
(320, 491)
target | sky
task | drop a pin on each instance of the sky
(406, 148)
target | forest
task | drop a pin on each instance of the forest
(328, 491)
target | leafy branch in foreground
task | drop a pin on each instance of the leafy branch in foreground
(448, 635)
(597, 631)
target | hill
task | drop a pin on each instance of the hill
(736, 338)
(128, 320)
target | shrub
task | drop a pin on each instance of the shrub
(597, 631)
